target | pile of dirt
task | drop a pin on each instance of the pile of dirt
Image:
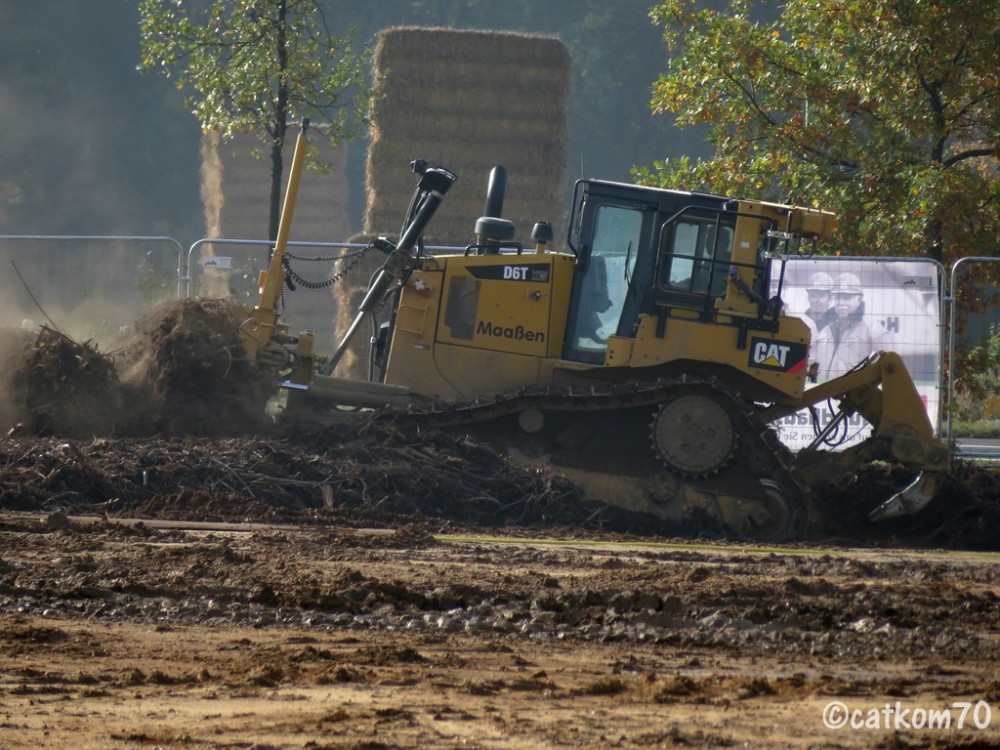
(171, 426)
(57, 386)
(374, 472)
(190, 372)
(378, 474)
(181, 371)
(963, 514)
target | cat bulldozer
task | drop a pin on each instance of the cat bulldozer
(647, 361)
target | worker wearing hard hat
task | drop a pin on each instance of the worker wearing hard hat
(847, 340)
(820, 313)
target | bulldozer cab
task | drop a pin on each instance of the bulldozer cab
(647, 251)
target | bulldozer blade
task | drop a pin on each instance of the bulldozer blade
(910, 500)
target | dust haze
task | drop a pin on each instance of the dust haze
(180, 370)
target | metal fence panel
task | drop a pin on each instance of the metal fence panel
(230, 267)
(971, 321)
(881, 304)
(89, 286)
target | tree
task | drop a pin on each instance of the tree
(885, 111)
(256, 65)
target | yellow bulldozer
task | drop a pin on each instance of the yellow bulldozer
(646, 361)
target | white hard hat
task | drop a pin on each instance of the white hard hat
(848, 283)
(820, 282)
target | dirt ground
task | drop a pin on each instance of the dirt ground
(120, 636)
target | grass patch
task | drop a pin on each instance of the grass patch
(989, 428)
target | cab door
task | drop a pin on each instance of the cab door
(614, 237)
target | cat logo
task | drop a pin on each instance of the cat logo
(784, 356)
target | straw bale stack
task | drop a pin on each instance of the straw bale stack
(468, 100)
(236, 189)
(465, 100)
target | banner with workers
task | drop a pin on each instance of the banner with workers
(854, 307)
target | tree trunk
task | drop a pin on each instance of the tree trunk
(280, 124)
(277, 168)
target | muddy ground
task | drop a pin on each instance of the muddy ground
(359, 585)
(123, 636)
(381, 589)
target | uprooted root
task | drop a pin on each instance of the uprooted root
(183, 372)
(57, 386)
(187, 358)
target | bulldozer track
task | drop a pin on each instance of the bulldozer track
(768, 456)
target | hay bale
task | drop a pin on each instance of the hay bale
(236, 189)
(468, 100)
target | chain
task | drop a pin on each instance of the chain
(329, 258)
(353, 257)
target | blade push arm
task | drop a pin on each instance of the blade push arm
(263, 337)
(883, 393)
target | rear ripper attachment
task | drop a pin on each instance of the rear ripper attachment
(646, 361)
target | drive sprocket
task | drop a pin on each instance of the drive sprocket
(693, 434)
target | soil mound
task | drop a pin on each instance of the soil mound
(182, 371)
(376, 476)
(57, 386)
(190, 373)
(175, 421)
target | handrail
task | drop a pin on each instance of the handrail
(184, 278)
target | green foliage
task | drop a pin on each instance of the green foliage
(256, 65)
(977, 373)
(884, 111)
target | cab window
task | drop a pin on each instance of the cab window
(696, 256)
